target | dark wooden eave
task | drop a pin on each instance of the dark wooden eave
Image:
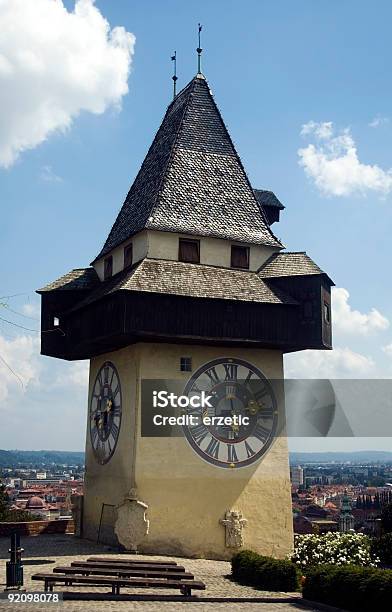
(169, 301)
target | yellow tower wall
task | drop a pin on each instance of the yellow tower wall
(186, 496)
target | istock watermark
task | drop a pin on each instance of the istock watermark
(164, 399)
(237, 420)
(307, 408)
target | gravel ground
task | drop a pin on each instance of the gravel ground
(221, 593)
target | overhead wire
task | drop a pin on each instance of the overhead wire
(20, 314)
(20, 326)
(12, 371)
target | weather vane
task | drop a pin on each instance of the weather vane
(199, 50)
(174, 77)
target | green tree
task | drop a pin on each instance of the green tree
(13, 516)
(3, 503)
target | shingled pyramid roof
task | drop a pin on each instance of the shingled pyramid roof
(192, 180)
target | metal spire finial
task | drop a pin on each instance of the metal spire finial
(199, 50)
(174, 77)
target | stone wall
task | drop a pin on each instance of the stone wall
(37, 527)
(77, 514)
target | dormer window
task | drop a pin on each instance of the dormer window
(189, 250)
(108, 267)
(239, 257)
(128, 255)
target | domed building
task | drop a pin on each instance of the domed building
(36, 505)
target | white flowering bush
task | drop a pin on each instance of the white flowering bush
(334, 548)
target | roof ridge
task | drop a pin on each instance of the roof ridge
(293, 253)
(272, 256)
(191, 82)
(191, 86)
(150, 148)
(240, 162)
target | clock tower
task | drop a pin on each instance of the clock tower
(191, 287)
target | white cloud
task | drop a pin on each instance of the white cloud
(49, 176)
(72, 374)
(321, 130)
(22, 366)
(387, 349)
(378, 120)
(49, 410)
(54, 64)
(346, 320)
(342, 361)
(338, 363)
(31, 310)
(19, 365)
(333, 163)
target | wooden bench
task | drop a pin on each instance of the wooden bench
(116, 583)
(141, 566)
(85, 570)
(133, 561)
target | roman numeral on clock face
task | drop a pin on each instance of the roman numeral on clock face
(116, 391)
(195, 389)
(249, 376)
(212, 375)
(114, 430)
(262, 433)
(231, 371)
(231, 453)
(199, 433)
(94, 435)
(266, 412)
(213, 448)
(261, 393)
(249, 450)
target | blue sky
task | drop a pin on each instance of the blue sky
(273, 67)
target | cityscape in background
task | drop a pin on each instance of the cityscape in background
(343, 493)
(40, 485)
(330, 491)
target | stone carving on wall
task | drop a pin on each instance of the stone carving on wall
(132, 525)
(234, 524)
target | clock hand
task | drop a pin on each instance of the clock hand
(252, 407)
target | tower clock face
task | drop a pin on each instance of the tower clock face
(237, 389)
(105, 412)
